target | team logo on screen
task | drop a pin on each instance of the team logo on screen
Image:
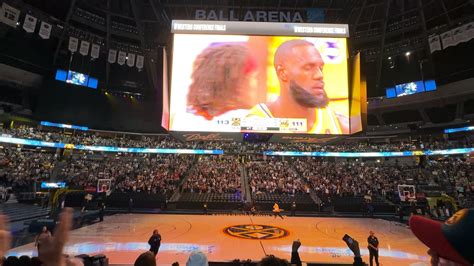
(331, 52)
(284, 123)
(236, 122)
(256, 231)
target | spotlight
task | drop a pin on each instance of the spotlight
(131, 97)
(389, 58)
(106, 93)
(407, 54)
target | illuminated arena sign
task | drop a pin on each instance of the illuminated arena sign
(38, 143)
(256, 231)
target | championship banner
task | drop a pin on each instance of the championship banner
(95, 50)
(131, 60)
(112, 56)
(73, 44)
(84, 49)
(45, 30)
(435, 43)
(29, 25)
(447, 39)
(140, 61)
(9, 15)
(121, 58)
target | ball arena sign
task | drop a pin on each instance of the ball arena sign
(248, 15)
(256, 231)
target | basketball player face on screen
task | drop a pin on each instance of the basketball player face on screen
(223, 78)
(299, 67)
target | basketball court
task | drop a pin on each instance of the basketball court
(123, 237)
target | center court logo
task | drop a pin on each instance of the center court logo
(256, 231)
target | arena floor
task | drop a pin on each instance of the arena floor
(123, 237)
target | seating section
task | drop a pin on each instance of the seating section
(20, 211)
(225, 181)
(218, 201)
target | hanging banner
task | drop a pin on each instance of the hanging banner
(84, 49)
(458, 35)
(95, 50)
(435, 43)
(73, 44)
(447, 39)
(45, 30)
(131, 60)
(140, 61)
(9, 15)
(121, 58)
(468, 31)
(29, 25)
(112, 56)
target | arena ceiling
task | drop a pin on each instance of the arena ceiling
(379, 28)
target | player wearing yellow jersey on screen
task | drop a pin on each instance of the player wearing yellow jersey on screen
(299, 68)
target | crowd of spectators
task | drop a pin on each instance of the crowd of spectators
(144, 173)
(359, 146)
(274, 176)
(331, 178)
(214, 174)
(20, 167)
(167, 141)
(155, 173)
(452, 175)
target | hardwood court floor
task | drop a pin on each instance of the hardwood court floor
(123, 237)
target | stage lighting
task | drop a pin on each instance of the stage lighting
(407, 54)
(389, 58)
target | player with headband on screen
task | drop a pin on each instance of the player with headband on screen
(299, 67)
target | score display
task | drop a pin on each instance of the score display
(260, 77)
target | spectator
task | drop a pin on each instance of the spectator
(197, 258)
(449, 243)
(146, 259)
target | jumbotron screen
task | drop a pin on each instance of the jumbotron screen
(260, 77)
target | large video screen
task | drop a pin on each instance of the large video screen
(258, 83)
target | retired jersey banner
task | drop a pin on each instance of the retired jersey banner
(29, 25)
(131, 60)
(121, 58)
(84, 50)
(95, 50)
(112, 56)
(45, 30)
(73, 44)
